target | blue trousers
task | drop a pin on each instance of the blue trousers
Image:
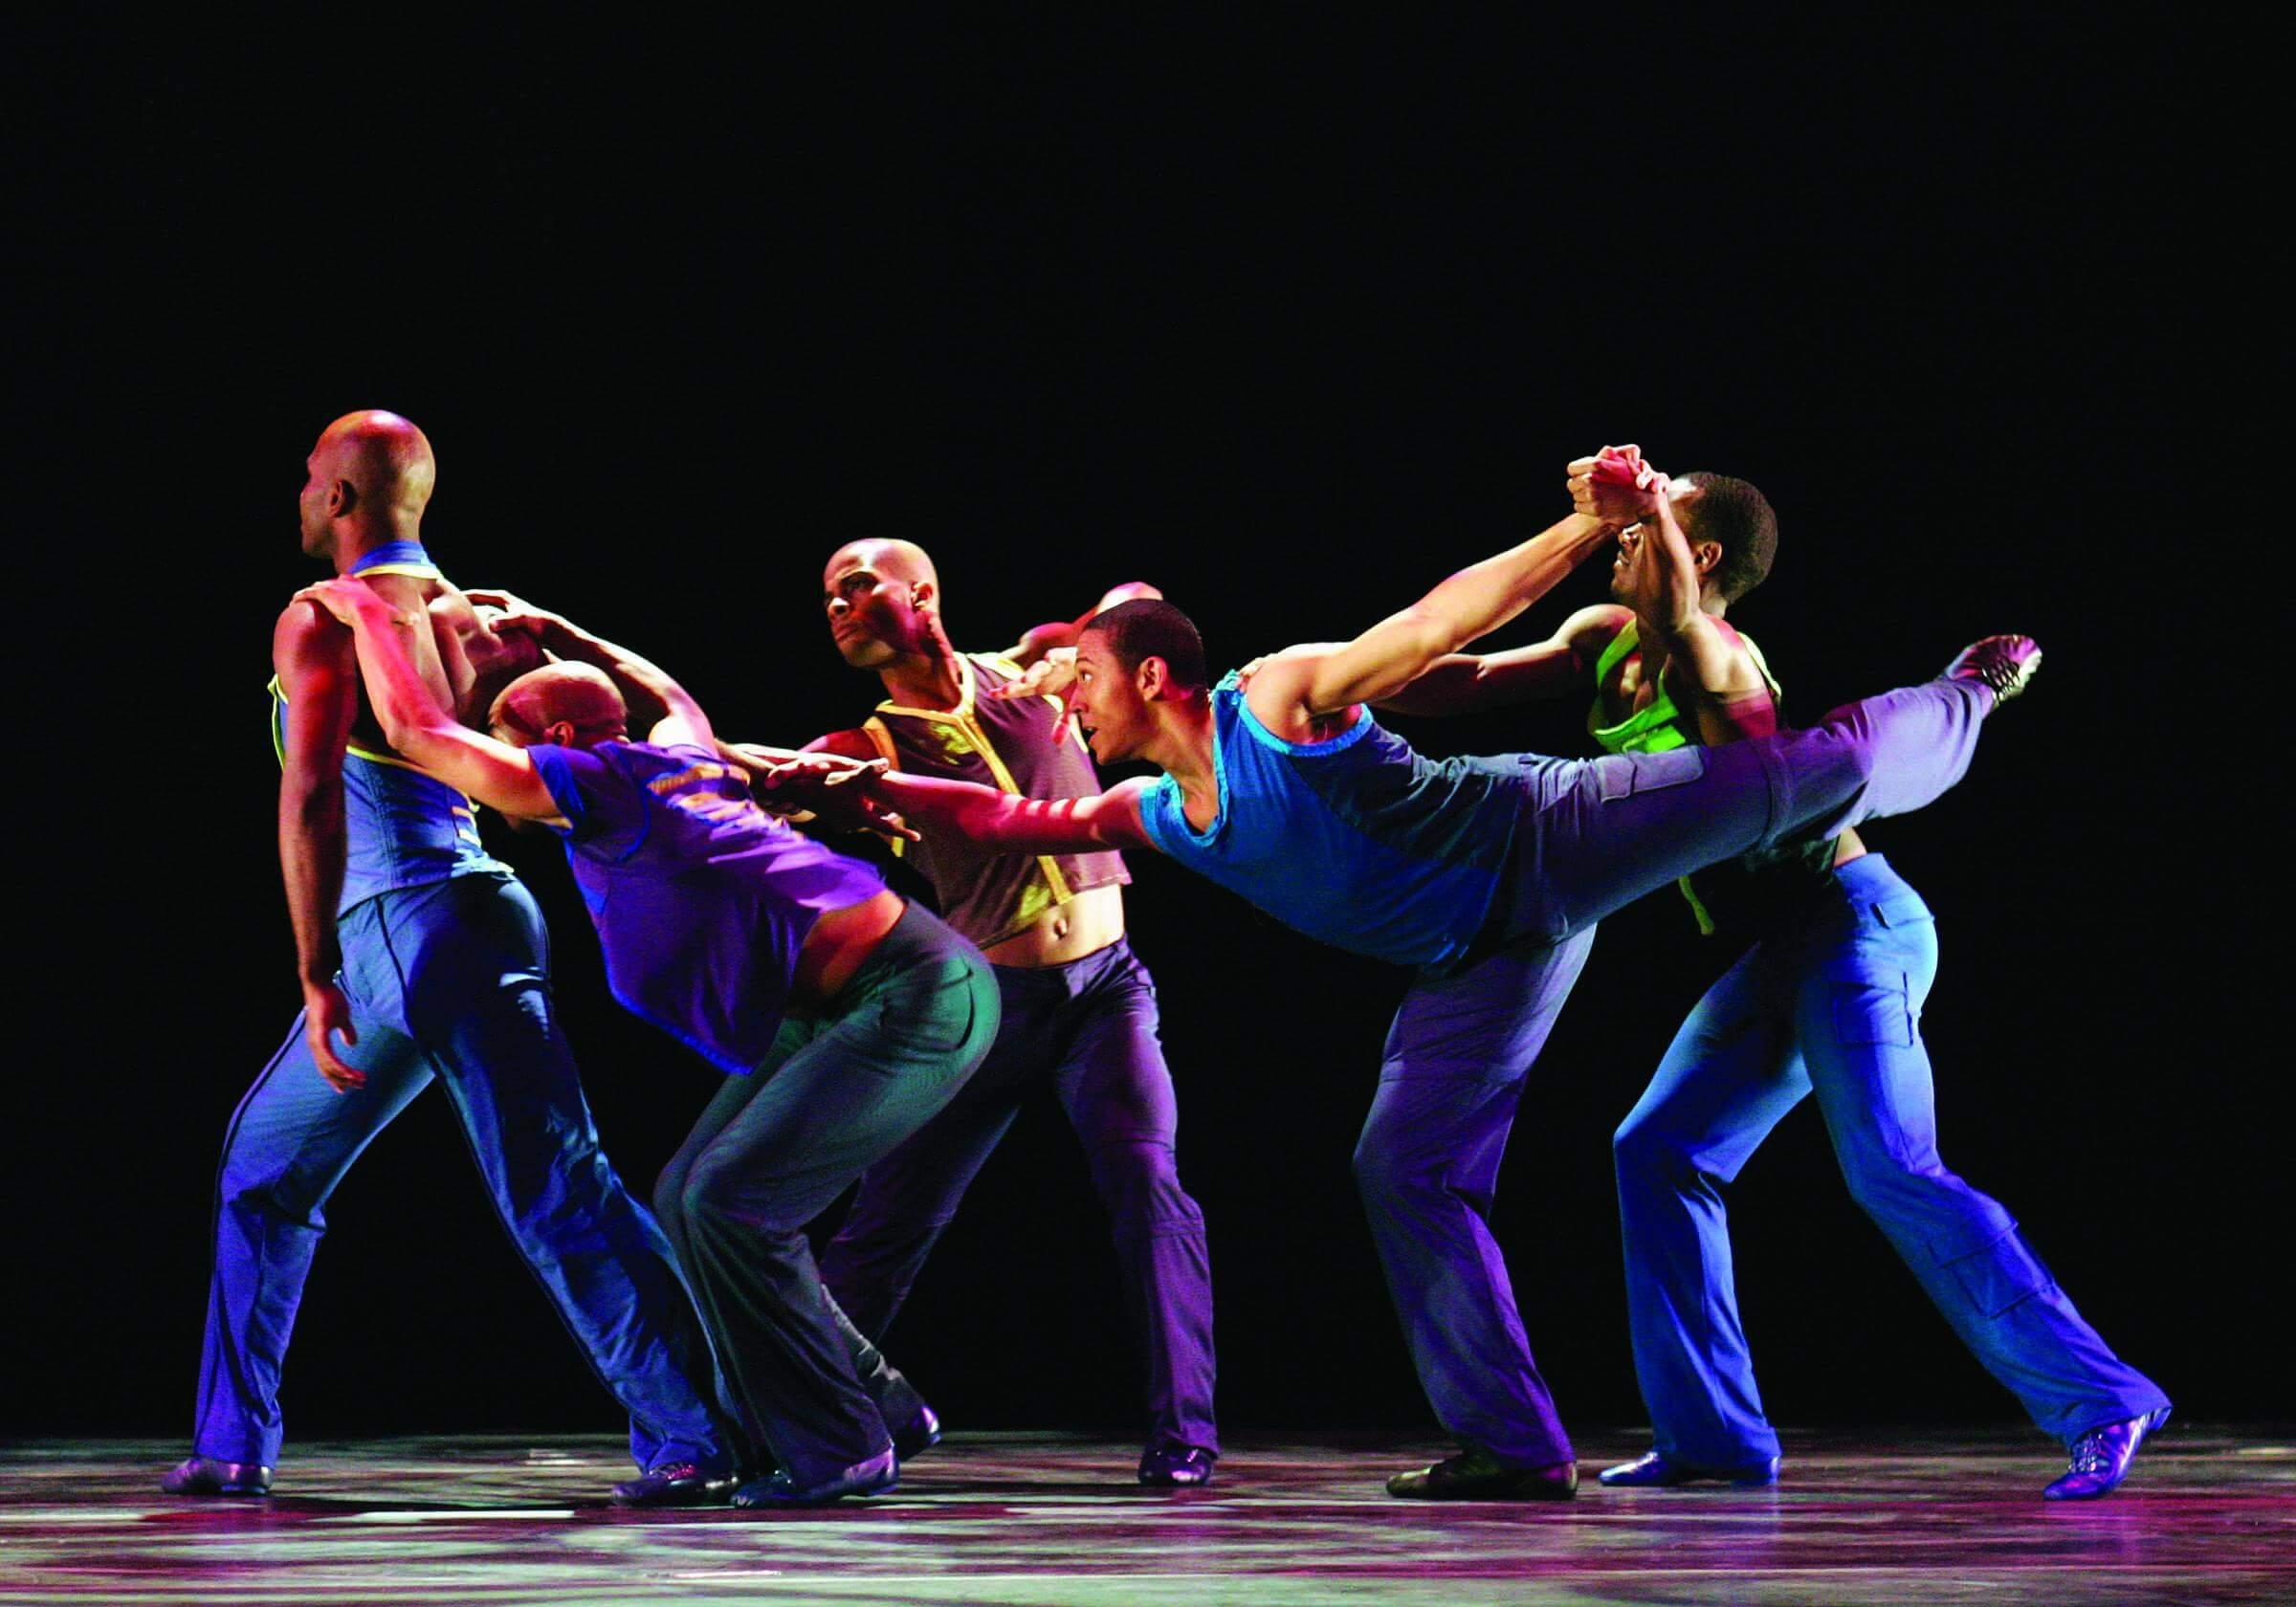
(1832, 1005)
(450, 981)
(1088, 1028)
(1591, 837)
(773, 1149)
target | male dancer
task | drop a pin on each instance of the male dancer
(1080, 1009)
(1484, 873)
(846, 1016)
(426, 958)
(1828, 998)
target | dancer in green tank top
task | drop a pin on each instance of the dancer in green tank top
(1828, 1000)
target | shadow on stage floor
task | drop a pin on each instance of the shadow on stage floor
(2208, 1516)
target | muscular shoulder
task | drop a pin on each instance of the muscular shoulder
(1591, 629)
(306, 637)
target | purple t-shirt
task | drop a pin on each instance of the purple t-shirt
(700, 898)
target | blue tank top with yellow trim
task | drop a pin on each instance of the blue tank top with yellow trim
(1358, 841)
(403, 828)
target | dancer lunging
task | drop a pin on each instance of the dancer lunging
(1828, 999)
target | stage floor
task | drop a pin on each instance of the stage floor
(2208, 1517)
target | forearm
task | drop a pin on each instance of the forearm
(653, 691)
(395, 689)
(1485, 596)
(311, 862)
(1471, 683)
(994, 820)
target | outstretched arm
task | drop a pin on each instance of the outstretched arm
(312, 656)
(1469, 683)
(994, 820)
(666, 711)
(1296, 686)
(494, 773)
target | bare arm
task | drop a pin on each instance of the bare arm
(1558, 667)
(494, 773)
(1038, 640)
(312, 656)
(1301, 683)
(994, 820)
(1013, 824)
(666, 711)
(1703, 647)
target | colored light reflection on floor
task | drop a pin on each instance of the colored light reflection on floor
(2209, 1517)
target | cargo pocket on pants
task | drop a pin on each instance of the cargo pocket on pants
(1623, 775)
(1873, 1013)
(1998, 1276)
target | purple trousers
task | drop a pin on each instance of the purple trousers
(1592, 836)
(1089, 1030)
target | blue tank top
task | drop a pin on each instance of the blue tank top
(403, 828)
(1357, 841)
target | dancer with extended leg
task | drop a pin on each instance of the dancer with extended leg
(1485, 875)
(420, 956)
(1827, 998)
(846, 1016)
(1080, 1009)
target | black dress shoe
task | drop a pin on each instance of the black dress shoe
(1176, 1467)
(1474, 1474)
(2101, 1458)
(2003, 663)
(675, 1484)
(880, 1473)
(1654, 1472)
(205, 1476)
(919, 1435)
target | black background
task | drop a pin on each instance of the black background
(1292, 319)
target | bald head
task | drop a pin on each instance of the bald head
(884, 601)
(371, 477)
(569, 704)
(903, 561)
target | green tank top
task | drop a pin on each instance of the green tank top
(1657, 726)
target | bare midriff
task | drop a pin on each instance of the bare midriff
(839, 944)
(1083, 925)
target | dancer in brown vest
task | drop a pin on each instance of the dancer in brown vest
(1080, 1013)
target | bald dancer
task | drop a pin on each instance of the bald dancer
(1079, 1008)
(420, 958)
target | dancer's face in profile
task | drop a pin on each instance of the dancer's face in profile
(1109, 703)
(875, 614)
(1634, 573)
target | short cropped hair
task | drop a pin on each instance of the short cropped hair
(1149, 628)
(1739, 517)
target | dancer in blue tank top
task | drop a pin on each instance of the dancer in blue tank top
(846, 1017)
(420, 956)
(1487, 875)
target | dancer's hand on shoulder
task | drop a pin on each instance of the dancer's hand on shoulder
(347, 597)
